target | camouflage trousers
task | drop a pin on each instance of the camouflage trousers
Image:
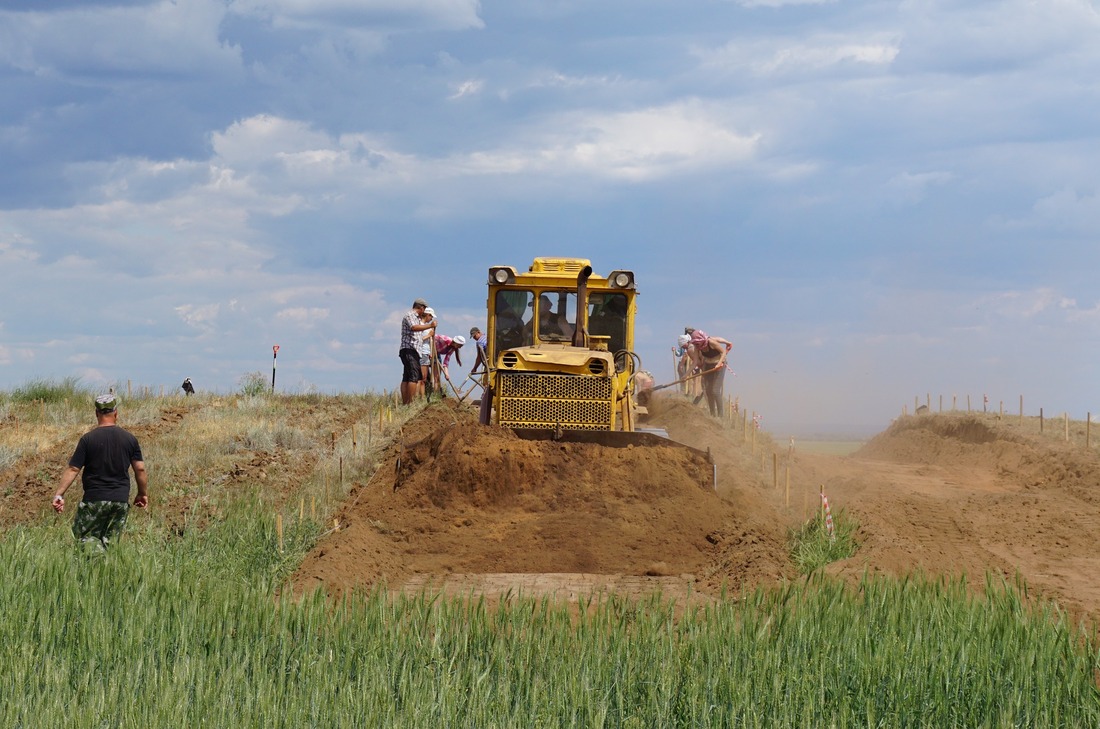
(99, 523)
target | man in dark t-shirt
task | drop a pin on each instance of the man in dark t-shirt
(105, 454)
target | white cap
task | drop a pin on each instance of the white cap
(429, 311)
(459, 340)
(683, 340)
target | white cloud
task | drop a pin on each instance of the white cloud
(781, 3)
(997, 37)
(382, 14)
(467, 88)
(161, 37)
(803, 55)
(201, 317)
(1028, 304)
(302, 316)
(1069, 209)
(635, 145)
(911, 187)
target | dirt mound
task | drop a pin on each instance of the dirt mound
(453, 497)
(970, 494)
(943, 439)
(971, 441)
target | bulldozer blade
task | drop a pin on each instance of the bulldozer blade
(620, 439)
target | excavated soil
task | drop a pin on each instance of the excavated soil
(479, 511)
(475, 509)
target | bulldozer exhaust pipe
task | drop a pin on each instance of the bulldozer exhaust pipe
(580, 336)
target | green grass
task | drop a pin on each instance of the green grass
(812, 547)
(188, 631)
(52, 391)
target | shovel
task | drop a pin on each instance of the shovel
(685, 379)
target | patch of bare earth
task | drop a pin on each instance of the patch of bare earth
(955, 494)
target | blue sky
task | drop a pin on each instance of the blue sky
(872, 200)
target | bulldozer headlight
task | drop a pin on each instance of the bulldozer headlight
(622, 279)
(501, 275)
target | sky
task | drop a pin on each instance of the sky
(876, 202)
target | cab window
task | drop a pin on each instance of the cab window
(512, 319)
(557, 316)
(607, 317)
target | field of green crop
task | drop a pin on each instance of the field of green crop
(177, 629)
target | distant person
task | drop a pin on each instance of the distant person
(481, 341)
(428, 383)
(684, 363)
(409, 352)
(188, 388)
(105, 455)
(709, 354)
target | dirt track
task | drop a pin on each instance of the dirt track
(484, 512)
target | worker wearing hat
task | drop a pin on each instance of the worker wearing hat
(409, 350)
(105, 454)
(709, 354)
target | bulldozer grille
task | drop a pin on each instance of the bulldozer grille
(573, 402)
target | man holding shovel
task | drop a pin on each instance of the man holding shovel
(709, 355)
(408, 350)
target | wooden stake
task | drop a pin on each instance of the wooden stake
(775, 470)
(353, 443)
(301, 508)
(313, 508)
(333, 435)
(279, 530)
(968, 403)
(787, 497)
(1040, 420)
(1088, 430)
(1021, 409)
(941, 403)
(335, 525)
(1066, 416)
(954, 398)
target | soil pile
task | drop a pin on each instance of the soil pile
(453, 497)
(959, 494)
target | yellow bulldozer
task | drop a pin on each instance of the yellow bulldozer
(560, 361)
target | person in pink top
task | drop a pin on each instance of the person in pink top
(446, 346)
(709, 354)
